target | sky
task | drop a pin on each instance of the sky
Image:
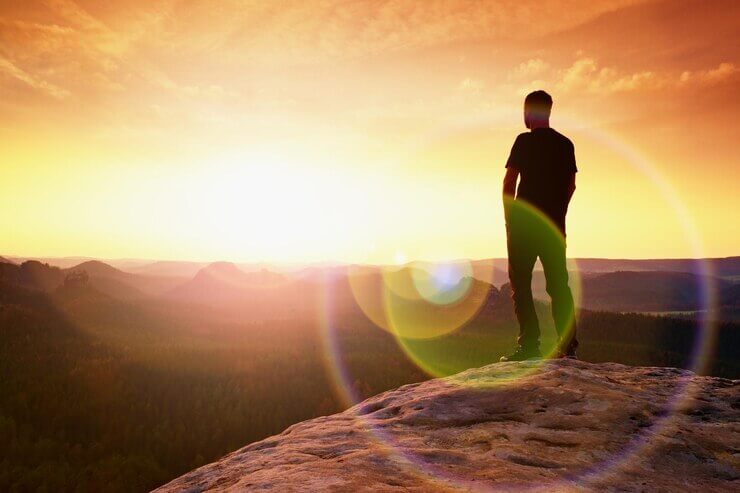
(360, 131)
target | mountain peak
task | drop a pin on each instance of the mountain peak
(563, 425)
(96, 268)
(222, 267)
(223, 272)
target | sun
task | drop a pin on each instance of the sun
(264, 203)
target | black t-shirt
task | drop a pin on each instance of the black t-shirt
(546, 161)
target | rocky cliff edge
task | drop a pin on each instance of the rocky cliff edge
(560, 425)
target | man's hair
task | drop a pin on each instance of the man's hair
(539, 103)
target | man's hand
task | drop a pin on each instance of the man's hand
(512, 174)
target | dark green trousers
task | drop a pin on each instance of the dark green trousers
(531, 235)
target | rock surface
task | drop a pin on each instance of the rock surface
(565, 426)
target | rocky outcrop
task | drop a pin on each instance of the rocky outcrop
(554, 426)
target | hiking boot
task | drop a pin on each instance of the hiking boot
(569, 354)
(522, 354)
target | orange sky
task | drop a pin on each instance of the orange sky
(364, 131)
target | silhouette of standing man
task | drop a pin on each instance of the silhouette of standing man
(535, 225)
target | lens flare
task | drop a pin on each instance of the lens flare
(420, 300)
(443, 284)
(400, 282)
(430, 335)
(420, 318)
(366, 284)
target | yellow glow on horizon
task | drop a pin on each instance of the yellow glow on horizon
(279, 205)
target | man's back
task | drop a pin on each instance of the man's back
(546, 162)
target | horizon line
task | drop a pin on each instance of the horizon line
(332, 262)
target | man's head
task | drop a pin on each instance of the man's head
(537, 106)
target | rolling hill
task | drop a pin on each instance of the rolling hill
(222, 283)
(169, 268)
(646, 291)
(124, 285)
(103, 277)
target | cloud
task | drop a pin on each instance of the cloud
(74, 54)
(9, 69)
(529, 69)
(586, 75)
(301, 31)
(724, 71)
(75, 15)
(68, 53)
(471, 85)
(124, 56)
(88, 49)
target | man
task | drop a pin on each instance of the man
(535, 225)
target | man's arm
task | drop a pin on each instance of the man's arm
(510, 182)
(512, 174)
(571, 186)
